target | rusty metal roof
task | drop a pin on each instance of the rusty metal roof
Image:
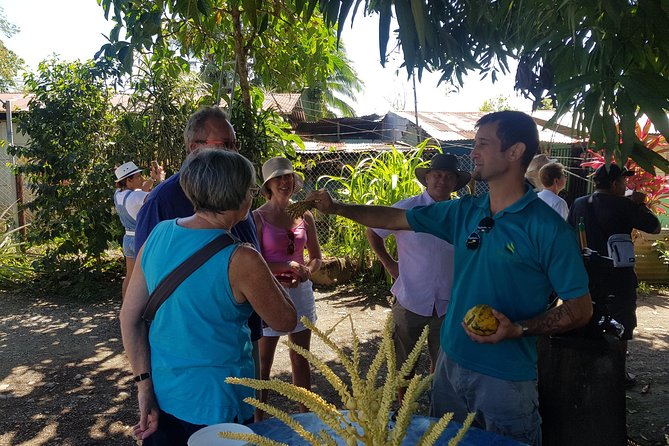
(19, 101)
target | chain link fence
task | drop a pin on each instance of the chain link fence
(314, 166)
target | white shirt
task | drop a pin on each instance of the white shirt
(425, 265)
(555, 201)
(134, 201)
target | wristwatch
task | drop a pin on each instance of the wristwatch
(523, 326)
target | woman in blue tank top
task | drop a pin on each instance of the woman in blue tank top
(199, 336)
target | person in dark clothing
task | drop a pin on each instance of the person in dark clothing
(606, 212)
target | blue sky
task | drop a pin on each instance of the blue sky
(75, 29)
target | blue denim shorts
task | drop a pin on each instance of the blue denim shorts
(129, 246)
(509, 408)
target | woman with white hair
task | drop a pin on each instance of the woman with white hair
(283, 239)
(200, 336)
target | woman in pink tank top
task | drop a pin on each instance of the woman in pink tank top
(283, 240)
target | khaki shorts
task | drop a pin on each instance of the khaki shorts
(407, 329)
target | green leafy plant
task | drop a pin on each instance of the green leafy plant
(382, 179)
(66, 162)
(14, 262)
(263, 134)
(368, 398)
(660, 247)
(151, 119)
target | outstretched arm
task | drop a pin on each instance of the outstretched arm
(372, 216)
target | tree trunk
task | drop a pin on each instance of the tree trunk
(240, 56)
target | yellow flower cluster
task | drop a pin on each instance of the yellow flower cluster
(369, 398)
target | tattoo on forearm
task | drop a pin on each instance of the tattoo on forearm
(556, 320)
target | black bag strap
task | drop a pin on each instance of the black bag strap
(170, 282)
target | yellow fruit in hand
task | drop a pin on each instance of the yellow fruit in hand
(480, 320)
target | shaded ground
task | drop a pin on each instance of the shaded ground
(64, 379)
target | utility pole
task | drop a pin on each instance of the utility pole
(18, 179)
(415, 102)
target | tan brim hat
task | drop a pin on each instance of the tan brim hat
(279, 166)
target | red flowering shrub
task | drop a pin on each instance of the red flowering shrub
(656, 187)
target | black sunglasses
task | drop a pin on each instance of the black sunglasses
(474, 239)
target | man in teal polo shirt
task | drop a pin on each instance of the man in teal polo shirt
(511, 251)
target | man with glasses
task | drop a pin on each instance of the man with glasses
(208, 127)
(424, 266)
(511, 251)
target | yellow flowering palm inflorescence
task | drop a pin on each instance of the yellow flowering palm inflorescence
(368, 399)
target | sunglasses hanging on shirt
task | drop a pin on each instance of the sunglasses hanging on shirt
(474, 239)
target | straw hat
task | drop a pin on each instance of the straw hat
(126, 170)
(277, 167)
(444, 161)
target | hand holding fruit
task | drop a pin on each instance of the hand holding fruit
(484, 324)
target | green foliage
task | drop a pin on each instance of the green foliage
(660, 247)
(262, 134)
(499, 103)
(605, 61)
(66, 162)
(151, 122)
(259, 44)
(14, 263)
(10, 63)
(381, 180)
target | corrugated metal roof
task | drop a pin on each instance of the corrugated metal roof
(318, 146)
(19, 101)
(458, 126)
(281, 102)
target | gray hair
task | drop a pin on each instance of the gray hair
(199, 119)
(216, 180)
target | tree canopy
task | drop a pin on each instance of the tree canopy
(263, 43)
(606, 61)
(10, 62)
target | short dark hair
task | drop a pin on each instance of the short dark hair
(198, 119)
(550, 172)
(216, 180)
(514, 127)
(604, 177)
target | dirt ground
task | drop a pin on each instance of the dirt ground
(64, 379)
